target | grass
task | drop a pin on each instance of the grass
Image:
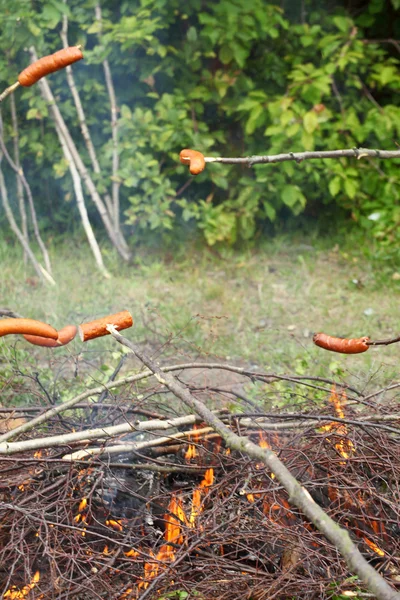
(255, 307)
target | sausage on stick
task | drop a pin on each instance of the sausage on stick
(44, 66)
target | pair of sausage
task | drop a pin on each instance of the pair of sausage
(38, 333)
(41, 334)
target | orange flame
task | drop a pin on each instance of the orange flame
(374, 547)
(345, 447)
(15, 594)
(174, 520)
(191, 452)
(116, 525)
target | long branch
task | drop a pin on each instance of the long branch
(20, 191)
(300, 156)
(114, 126)
(297, 493)
(58, 118)
(67, 404)
(97, 433)
(41, 271)
(81, 113)
(20, 174)
(80, 201)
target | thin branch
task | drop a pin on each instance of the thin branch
(41, 271)
(80, 201)
(132, 446)
(298, 495)
(47, 94)
(384, 342)
(20, 191)
(81, 113)
(114, 126)
(67, 404)
(22, 178)
(300, 156)
(97, 433)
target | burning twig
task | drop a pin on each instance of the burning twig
(297, 494)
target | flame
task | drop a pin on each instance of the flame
(132, 553)
(173, 534)
(116, 525)
(191, 452)
(196, 498)
(374, 547)
(15, 594)
(263, 444)
(37, 454)
(82, 505)
(344, 446)
(208, 478)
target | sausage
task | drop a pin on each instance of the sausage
(194, 159)
(94, 329)
(28, 326)
(65, 335)
(49, 64)
(343, 345)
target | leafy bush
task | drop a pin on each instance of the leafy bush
(226, 78)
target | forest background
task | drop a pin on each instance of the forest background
(278, 250)
(228, 78)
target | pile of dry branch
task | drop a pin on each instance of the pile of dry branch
(161, 506)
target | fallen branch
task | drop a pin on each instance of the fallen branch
(297, 494)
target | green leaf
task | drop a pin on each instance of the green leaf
(350, 187)
(342, 23)
(290, 195)
(225, 54)
(192, 34)
(310, 121)
(334, 185)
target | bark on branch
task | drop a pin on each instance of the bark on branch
(300, 156)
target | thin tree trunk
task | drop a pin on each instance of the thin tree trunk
(20, 189)
(80, 200)
(41, 271)
(81, 114)
(47, 94)
(24, 182)
(114, 127)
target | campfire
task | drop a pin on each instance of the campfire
(188, 515)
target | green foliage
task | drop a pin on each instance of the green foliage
(230, 78)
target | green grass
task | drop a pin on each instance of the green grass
(253, 307)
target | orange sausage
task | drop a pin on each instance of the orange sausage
(49, 64)
(94, 329)
(194, 159)
(343, 345)
(65, 335)
(28, 326)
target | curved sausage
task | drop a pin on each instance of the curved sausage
(194, 159)
(65, 336)
(343, 345)
(28, 326)
(49, 64)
